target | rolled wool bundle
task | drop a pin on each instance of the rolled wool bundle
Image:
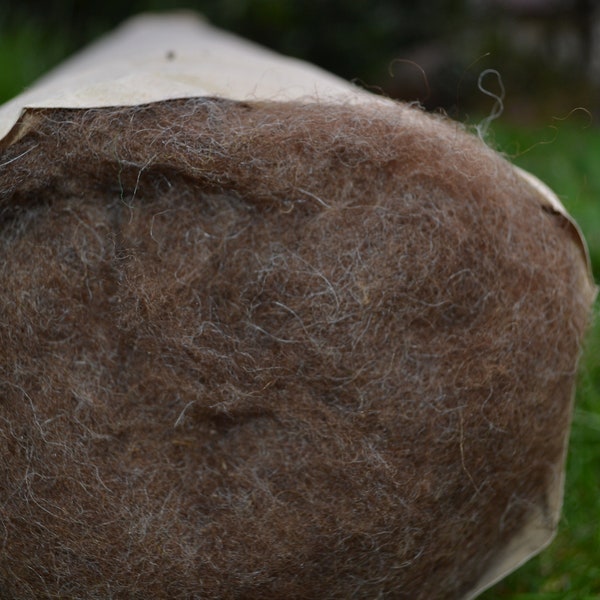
(264, 335)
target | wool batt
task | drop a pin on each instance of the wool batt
(276, 349)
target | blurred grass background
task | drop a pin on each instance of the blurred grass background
(547, 53)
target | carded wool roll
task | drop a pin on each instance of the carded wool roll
(277, 348)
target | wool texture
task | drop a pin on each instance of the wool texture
(273, 350)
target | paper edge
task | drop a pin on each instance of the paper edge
(95, 77)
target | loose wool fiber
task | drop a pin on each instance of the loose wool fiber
(274, 350)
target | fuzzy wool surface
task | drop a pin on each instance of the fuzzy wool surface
(273, 350)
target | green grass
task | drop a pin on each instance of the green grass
(565, 154)
(27, 51)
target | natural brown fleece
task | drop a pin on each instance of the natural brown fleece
(273, 350)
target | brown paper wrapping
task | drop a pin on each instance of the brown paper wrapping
(156, 58)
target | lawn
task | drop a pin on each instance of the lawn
(565, 154)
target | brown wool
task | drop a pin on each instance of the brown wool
(265, 350)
